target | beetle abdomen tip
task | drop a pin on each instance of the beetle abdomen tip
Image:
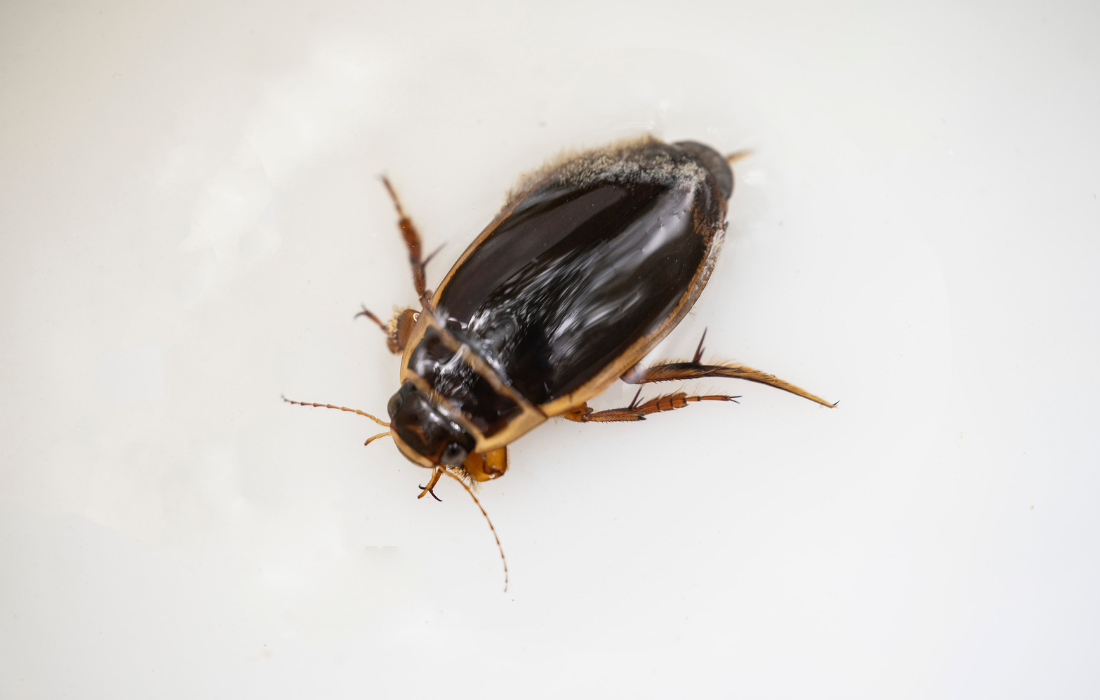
(715, 164)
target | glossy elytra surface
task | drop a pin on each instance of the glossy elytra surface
(590, 265)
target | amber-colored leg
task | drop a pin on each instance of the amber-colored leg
(638, 411)
(436, 473)
(672, 371)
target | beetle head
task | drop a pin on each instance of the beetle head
(424, 433)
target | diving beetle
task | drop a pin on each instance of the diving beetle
(591, 262)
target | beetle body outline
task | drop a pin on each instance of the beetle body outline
(592, 261)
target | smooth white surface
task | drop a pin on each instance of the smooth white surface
(190, 216)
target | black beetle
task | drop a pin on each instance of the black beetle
(592, 261)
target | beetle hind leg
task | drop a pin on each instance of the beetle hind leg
(673, 370)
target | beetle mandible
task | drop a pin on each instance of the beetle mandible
(591, 262)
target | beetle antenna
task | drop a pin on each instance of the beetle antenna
(502, 559)
(340, 408)
(738, 155)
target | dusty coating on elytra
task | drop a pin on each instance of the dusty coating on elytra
(629, 160)
(622, 161)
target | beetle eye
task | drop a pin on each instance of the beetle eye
(393, 405)
(453, 455)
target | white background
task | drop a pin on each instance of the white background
(191, 214)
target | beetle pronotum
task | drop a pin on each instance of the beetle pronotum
(591, 262)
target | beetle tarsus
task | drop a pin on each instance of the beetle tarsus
(430, 492)
(397, 330)
(436, 473)
(412, 241)
(368, 314)
(638, 411)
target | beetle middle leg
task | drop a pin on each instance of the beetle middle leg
(638, 411)
(400, 326)
(673, 370)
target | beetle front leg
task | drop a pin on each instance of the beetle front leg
(397, 330)
(669, 371)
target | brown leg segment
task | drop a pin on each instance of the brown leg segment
(674, 371)
(638, 411)
(400, 326)
(397, 330)
(412, 242)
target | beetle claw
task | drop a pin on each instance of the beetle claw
(436, 473)
(428, 491)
